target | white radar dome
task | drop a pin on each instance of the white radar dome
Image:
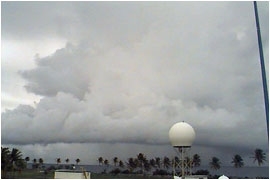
(181, 135)
(223, 177)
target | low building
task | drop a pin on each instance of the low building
(71, 174)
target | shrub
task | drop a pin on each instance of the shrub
(160, 172)
(116, 171)
(202, 172)
(125, 172)
(51, 168)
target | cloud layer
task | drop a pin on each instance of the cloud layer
(131, 70)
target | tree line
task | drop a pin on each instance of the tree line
(12, 160)
(144, 164)
(39, 163)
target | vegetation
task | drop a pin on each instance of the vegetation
(259, 156)
(78, 161)
(166, 162)
(58, 160)
(11, 161)
(215, 163)
(14, 166)
(196, 161)
(115, 161)
(32, 174)
(237, 161)
(100, 160)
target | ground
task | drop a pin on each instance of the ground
(35, 174)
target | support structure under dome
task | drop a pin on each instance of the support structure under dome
(182, 136)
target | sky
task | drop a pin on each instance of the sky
(89, 79)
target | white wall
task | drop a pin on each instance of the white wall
(70, 175)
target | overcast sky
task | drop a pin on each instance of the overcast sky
(89, 79)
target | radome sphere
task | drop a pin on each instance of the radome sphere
(223, 177)
(182, 135)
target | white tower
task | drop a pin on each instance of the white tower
(182, 136)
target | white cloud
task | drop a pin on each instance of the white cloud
(126, 79)
(17, 56)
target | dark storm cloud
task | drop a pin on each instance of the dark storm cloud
(50, 76)
(126, 21)
(132, 70)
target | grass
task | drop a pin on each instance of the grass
(35, 174)
(30, 174)
(127, 176)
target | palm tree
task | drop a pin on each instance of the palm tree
(141, 160)
(58, 160)
(121, 164)
(153, 163)
(166, 162)
(27, 159)
(34, 163)
(158, 163)
(34, 160)
(196, 160)
(15, 155)
(77, 161)
(67, 166)
(20, 164)
(237, 161)
(100, 160)
(136, 161)
(11, 160)
(146, 165)
(141, 157)
(40, 162)
(259, 156)
(5, 156)
(175, 162)
(115, 161)
(5, 160)
(106, 162)
(215, 163)
(131, 164)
